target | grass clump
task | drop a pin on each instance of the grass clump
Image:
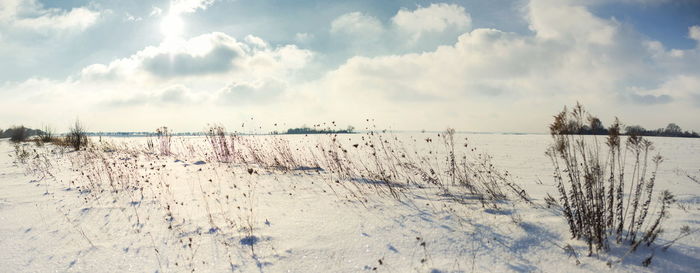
(221, 146)
(164, 136)
(77, 136)
(21, 153)
(47, 135)
(18, 134)
(606, 194)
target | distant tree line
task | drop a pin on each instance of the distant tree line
(19, 133)
(595, 127)
(140, 134)
(306, 130)
(76, 137)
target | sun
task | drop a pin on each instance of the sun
(172, 26)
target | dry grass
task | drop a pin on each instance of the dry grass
(606, 191)
(375, 164)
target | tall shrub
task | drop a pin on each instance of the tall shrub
(77, 136)
(606, 191)
(18, 134)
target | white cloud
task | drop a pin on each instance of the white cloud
(478, 79)
(408, 30)
(303, 37)
(559, 20)
(176, 94)
(155, 11)
(694, 33)
(210, 70)
(32, 15)
(259, 92)
(189, 6)
(684, 87)
(131, 18)
(434, 18)
(638, 2)
(573, 56)
(210, 54)
(357, 25)
(256, 41)
(676, 61)
(189, 60)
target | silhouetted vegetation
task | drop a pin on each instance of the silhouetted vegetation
(600, 203)
(594, 126)
(46, 135)
(671, 130)
(223, 148)
(164, 136)
(77, 138)
(307, 130)
(19, 133)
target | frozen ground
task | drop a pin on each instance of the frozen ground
(187, 212)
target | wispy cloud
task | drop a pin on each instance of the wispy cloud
(188, 6)
(32, 15)
(434, 18)
(420, 66)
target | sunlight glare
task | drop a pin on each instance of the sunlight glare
(172, 26)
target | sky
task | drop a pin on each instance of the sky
(260, 65)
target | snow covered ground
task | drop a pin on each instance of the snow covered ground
(126, 207)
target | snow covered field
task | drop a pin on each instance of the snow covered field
(125, 205)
